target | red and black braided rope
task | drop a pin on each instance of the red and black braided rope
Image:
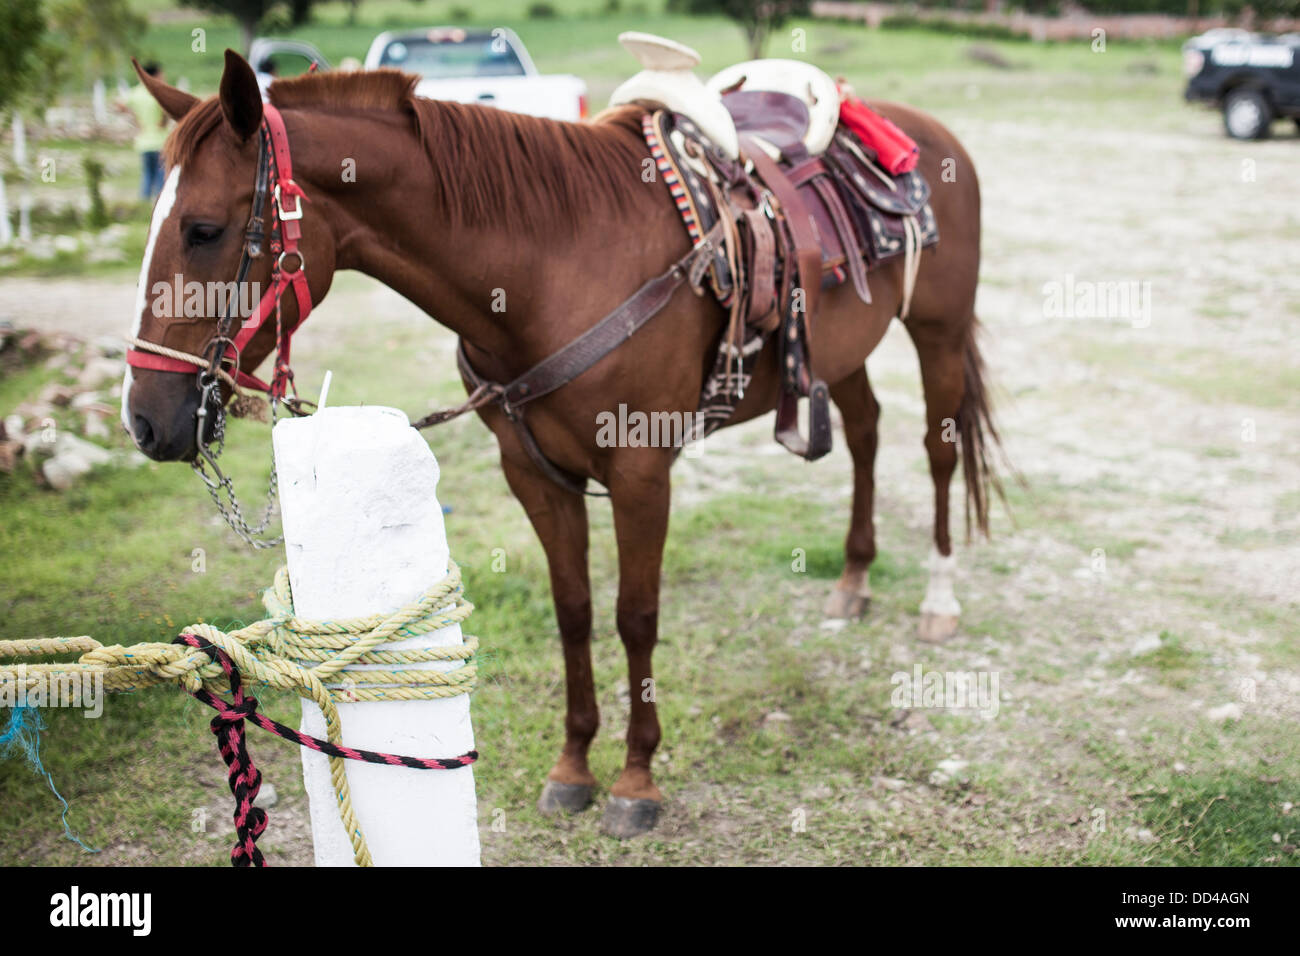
(245, 779)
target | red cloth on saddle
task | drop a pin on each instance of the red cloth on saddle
(897, 151)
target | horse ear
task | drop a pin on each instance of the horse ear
(241, 98)
(175, 103)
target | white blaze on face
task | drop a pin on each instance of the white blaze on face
(163, 208)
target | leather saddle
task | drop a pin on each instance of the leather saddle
(802, 204)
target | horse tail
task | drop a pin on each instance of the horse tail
(979, 437)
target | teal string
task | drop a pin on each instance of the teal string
(24, 732)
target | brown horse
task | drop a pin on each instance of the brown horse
(463, 208)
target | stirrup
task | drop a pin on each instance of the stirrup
(818, 442)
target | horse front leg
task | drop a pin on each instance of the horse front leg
(560, 519)
(640, 494)
(851, 596)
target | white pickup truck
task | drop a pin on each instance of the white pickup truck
(490, 67)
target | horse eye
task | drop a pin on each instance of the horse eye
(201, 235)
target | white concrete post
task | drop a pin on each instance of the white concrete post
(99, 101)
(6, 226)
(364, 534)
(19, 126)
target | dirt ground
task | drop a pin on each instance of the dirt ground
(1140, 602)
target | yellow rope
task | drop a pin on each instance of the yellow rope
(288, 653)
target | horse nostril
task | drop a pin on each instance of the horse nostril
(144, 435)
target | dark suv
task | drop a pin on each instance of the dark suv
(1254, 79)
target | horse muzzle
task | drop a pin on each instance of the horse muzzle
(163, 415)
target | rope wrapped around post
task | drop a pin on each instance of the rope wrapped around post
(285, 652)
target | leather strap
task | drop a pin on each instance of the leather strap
(485, 392)
(571, 361)
(803, 231)
(830, 197)
(761, 292)
(795, 343)
(606, 335)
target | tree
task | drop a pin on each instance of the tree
(758, 18)
(25, 54)
(98, 33)
(249, 13)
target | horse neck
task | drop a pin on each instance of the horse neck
(507, 291)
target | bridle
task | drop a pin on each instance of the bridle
(219, 360)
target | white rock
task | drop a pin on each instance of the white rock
(1224, 713)
(1145, 645)
(266, 797)
(83, 399)
(1144, 836)
(34, 443)
(64, 469)
(95, 427)
(100, 369)
(70, 444)
(947, 770)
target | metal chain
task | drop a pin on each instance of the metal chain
(233, 515)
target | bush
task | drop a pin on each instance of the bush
(541, 11)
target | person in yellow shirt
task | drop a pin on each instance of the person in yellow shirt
(152, 122)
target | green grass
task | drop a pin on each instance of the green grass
(1174, 662)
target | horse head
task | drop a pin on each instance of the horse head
(213, 257)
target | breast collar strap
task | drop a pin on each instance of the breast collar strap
(288, 270)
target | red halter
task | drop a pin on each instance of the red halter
(287, 198)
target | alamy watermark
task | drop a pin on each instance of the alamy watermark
(1116, 301)
(40, 689)
(638, 429)
(946, 690)
(200, 300)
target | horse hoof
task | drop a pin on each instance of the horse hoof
(844, 605)
(627, 817)
(937, 628)
(563, 797)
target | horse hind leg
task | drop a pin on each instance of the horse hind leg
(851, 595)
(941, 349)
(958, 416)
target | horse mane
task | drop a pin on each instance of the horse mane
(521, 171)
